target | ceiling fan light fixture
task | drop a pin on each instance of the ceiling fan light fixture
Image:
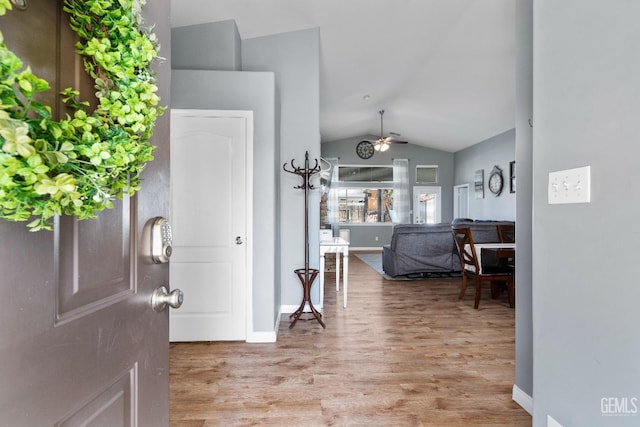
(381, 145)
(367, 148)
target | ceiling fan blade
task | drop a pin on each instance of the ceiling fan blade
(391, 140)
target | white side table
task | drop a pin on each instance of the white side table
(338, 246)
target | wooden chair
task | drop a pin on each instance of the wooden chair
(506, 233)
(470, 266)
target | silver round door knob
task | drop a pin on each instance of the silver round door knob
(20, 4)
(161, 298)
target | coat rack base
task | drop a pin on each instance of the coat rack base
(306, 276)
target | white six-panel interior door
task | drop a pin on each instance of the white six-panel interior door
(211, 221)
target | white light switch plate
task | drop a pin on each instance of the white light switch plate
(570, 186)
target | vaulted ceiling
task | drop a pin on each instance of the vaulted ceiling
(443, 70)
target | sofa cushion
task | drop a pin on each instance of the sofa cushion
(460, 220)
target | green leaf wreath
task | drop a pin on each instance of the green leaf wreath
(77, 166)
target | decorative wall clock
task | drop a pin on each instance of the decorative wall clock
(365, 150)
(496, 181)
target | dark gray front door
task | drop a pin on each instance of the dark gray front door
(80, 344)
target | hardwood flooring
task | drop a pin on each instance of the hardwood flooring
(403, 353)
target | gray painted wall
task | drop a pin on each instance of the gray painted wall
(364, 235)
(524, 196)
(498, 150)
(586, 89)
(230, 90)
(295, 60)
(218, 45)
(210, 46)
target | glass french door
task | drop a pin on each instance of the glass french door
(427, 205)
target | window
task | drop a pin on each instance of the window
(365, 205)
(365, 174)
(365, 194)
(427, 174)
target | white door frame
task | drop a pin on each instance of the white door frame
(457, 192)
(428, 189)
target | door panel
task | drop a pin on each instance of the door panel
(208, 173)
(113, 407)
(38, 47)
(88, 280)
(209, 208)
(80, 343)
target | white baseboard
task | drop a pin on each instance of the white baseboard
(288, 309)
(266, 337)
(366, 249)
(262, 337)
(522, 399)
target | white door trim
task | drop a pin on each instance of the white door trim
(249, 201)
(456, 202)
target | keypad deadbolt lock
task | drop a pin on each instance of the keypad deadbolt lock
(160, 240)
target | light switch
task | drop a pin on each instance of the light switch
(570, 186)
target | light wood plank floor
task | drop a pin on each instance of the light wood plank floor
(404, 353)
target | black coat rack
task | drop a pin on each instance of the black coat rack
(306, 275)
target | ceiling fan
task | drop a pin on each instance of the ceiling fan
(367, 148)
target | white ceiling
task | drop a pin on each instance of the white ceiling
(443, 70)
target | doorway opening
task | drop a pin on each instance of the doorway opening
(461, 201)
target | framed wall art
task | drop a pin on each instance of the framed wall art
(479, 183)
(512, 177)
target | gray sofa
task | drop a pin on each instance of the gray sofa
(423, 250)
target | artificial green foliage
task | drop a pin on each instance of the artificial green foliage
(78, 165)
